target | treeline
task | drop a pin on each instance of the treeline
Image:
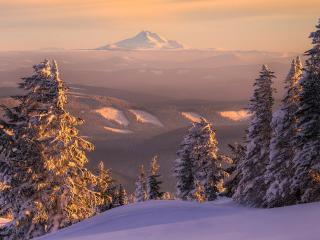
(279, 162)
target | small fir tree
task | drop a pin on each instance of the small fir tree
(140, 193)
(122, 196)
(105, 187)
(153, 184)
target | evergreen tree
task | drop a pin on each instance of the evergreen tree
(207, 168)
(238, 153)
(306, 182)
(183, 168)
(122, 196)
(50, 186)
(153, 184)
(282, 149)
(251, 189)
(198, 193)
(5, 171)
(198, 160)
(140, 193)
(105, 187)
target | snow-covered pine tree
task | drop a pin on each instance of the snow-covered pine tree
(198, 194)
(23, 156)
(105, 187)
(198, 160)
(238, 153)
(282, 149)
(183, 168)
(50, 187)
(251, 189)
(140, 193)
(122, 196)
(153, 184)
(207, 168)
(306, 181)
(5, 171)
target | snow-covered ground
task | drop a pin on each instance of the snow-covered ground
(191, 116)
(235, 115)
(145, 117)
(113, 114)
(118, 130)
(177, 220)
(3, 221)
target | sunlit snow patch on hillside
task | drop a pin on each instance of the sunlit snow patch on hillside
(113, 114)
(191, 116)
(3, 221)
(235, 115)
(145, 117)
(118, 130)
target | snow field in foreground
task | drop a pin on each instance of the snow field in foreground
(177, 220)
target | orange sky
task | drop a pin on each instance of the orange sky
(275, 25)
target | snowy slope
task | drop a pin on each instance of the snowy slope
(235, 115)
(145, 117)
(3, 221)
(114, 115)
(191, 116)
(176, 220)
(144, 40)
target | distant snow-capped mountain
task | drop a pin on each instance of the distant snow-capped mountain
(144, 40)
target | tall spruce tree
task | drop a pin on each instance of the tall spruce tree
(282, 149)
(251, 189)
(50, 187)
(306, 182)
(140, 193)
(153, 184)
(198, 160)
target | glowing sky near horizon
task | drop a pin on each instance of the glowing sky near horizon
(273, 25)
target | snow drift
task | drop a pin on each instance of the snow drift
(221, 219)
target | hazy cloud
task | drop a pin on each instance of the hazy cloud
(187, 19)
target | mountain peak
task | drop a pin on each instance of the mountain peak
(144, 40)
